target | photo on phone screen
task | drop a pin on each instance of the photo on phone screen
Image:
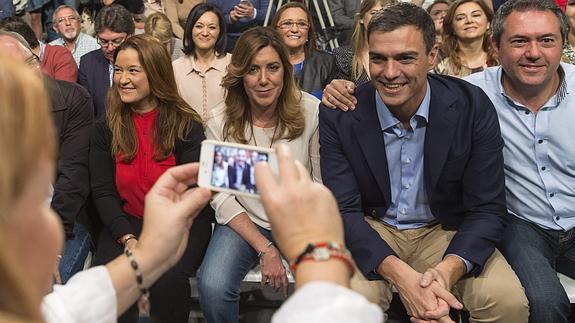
(231, 167)
(234, 168)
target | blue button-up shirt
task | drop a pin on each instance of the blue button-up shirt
(539, 151)
(409, 207)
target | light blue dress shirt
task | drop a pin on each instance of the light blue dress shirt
(409, 207)
(539, 151)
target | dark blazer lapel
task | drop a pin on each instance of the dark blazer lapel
(442, 123)
(370, 137)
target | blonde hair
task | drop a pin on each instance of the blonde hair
(291, 120)
(359, 36)
(27, 137)
(159, 26)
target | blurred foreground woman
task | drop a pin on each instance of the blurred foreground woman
(32, 237)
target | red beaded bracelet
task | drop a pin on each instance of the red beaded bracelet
(323, 251)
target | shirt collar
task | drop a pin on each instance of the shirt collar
(218, 64)
(553, 101)
(388, 120)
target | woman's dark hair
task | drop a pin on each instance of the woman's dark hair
(193, 17)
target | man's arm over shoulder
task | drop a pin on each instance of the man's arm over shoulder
(366, 246)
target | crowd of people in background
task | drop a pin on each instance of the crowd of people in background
(441, 127)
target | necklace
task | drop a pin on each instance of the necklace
(254, 137)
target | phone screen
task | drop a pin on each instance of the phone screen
(233, 168)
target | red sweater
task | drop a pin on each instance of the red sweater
(57, 62)
(136, 178)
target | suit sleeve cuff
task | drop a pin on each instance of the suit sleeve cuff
(468, 264)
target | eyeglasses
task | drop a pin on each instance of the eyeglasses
(33, 61)
(106, 43)
(69, 19)
(288, 24)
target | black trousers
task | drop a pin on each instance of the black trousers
(170, 295)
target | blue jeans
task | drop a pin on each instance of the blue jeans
(75, 253)
(228, 259)
(536, 255)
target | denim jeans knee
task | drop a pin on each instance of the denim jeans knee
(75, 253)
(531, 251)
(228, 259)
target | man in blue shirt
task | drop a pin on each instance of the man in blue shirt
(534, 96)
(417, 170)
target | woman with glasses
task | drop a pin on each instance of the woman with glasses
(148, 129)
(199, 73)
(466, 45)
(263, 107)
(313, 68)
(352, 62)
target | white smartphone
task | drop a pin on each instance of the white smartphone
(230, 167)
(245, 2)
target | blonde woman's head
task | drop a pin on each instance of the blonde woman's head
(159, 26)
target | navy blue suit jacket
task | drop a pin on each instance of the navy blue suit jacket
(463, 171)
(94, 76)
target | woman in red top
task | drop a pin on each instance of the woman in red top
(148, 129)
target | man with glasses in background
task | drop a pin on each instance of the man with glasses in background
(113, 25)
(67, 23)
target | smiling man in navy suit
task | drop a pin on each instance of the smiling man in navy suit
(417, 170)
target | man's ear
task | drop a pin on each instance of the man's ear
(495, 46)
(433, 53)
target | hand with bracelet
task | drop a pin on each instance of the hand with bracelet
(170, 211)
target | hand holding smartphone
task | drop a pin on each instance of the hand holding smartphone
(229, 167)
